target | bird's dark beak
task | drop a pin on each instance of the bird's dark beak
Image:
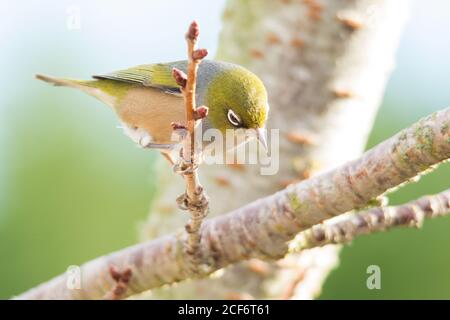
(261, 136)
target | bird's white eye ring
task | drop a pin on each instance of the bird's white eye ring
(233, 118)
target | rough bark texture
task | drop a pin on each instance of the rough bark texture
(345, 228)
(263, 228)
(325, 65)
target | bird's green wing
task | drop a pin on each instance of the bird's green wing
(157, 75)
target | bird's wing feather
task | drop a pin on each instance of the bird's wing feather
(149, 75)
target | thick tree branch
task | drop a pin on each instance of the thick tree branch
(262, 229)
(344, 229)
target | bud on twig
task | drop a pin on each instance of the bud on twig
(193, 31)
(201, 112)
(122, 280)
(199, 54)
(180, 77)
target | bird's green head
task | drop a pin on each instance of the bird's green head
(236, 99)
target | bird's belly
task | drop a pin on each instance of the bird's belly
(151, 110)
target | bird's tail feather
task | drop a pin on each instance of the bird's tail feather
(89, 87)
(78, 84)
(61, 82)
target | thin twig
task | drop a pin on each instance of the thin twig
(194, 199)
(349, 226)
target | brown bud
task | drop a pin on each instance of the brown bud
(201, 112)
(199, 54)
(193, 31)
(180, 77)
(126, 275)
(114, 272)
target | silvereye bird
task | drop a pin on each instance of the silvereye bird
(147, 99)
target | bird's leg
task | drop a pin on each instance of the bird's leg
(179, 165)
(169, 158)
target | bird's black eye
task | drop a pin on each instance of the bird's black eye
(233, 118)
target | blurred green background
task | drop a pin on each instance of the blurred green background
(73, 187)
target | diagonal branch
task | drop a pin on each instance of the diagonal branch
(347, 227)
(262, 229)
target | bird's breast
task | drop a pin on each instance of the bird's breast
(151, 110)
